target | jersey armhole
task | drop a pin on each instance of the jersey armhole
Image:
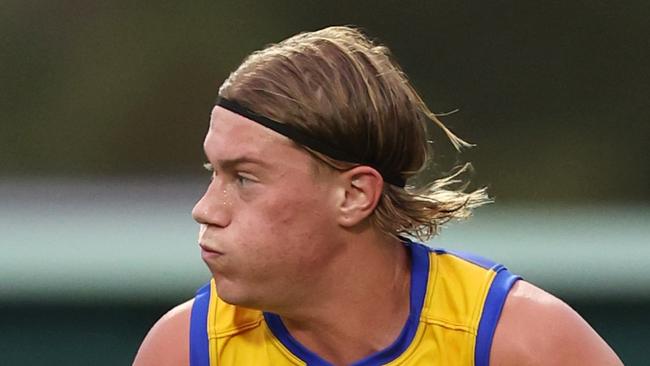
(199, 343)
(496, 298)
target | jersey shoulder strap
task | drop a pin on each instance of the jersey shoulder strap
(468, 291)
(199, 342)
(214, 319)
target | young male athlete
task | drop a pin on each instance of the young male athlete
(305, 228)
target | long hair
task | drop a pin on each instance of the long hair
(337, 85)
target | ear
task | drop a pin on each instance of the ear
(363, 186)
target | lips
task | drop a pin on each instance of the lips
(207, 251)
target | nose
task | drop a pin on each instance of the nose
(215, 207)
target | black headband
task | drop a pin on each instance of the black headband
(305, 140)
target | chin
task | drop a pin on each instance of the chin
(234, 294)
(242, 302)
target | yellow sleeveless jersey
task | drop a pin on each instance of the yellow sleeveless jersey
(456, 301)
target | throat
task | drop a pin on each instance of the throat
(349, 340)
(362, 321)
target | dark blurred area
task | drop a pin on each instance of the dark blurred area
(555, 95)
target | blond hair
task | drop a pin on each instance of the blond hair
(338, 86)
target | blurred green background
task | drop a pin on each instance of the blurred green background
(103, 108)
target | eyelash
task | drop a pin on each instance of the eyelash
(241, 180)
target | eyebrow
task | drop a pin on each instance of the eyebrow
(230, 163)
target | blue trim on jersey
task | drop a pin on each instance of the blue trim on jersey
(499, 289)
(282, 333)
(419, 277)
(472, 258)
(199, 341)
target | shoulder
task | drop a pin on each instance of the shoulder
(167, 343)
(537, 328)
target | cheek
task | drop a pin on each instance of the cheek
(289, 227)
(301, 212)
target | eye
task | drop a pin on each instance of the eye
(244, 180)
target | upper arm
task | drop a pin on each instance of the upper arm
(536, 328)
(167, 343)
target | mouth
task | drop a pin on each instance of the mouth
(207, 252)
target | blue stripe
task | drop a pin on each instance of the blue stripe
(472, 258)
(282, 334)
(501, 285)
(199, 343)
(419, 277)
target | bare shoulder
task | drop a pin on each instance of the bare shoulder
(167, 342)
(537, 328)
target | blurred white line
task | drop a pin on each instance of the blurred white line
(135, 240)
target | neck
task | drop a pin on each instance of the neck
(361, 304)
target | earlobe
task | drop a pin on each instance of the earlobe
(363, 186)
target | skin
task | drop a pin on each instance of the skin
(277, 236)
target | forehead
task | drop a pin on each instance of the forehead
(232, 136)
